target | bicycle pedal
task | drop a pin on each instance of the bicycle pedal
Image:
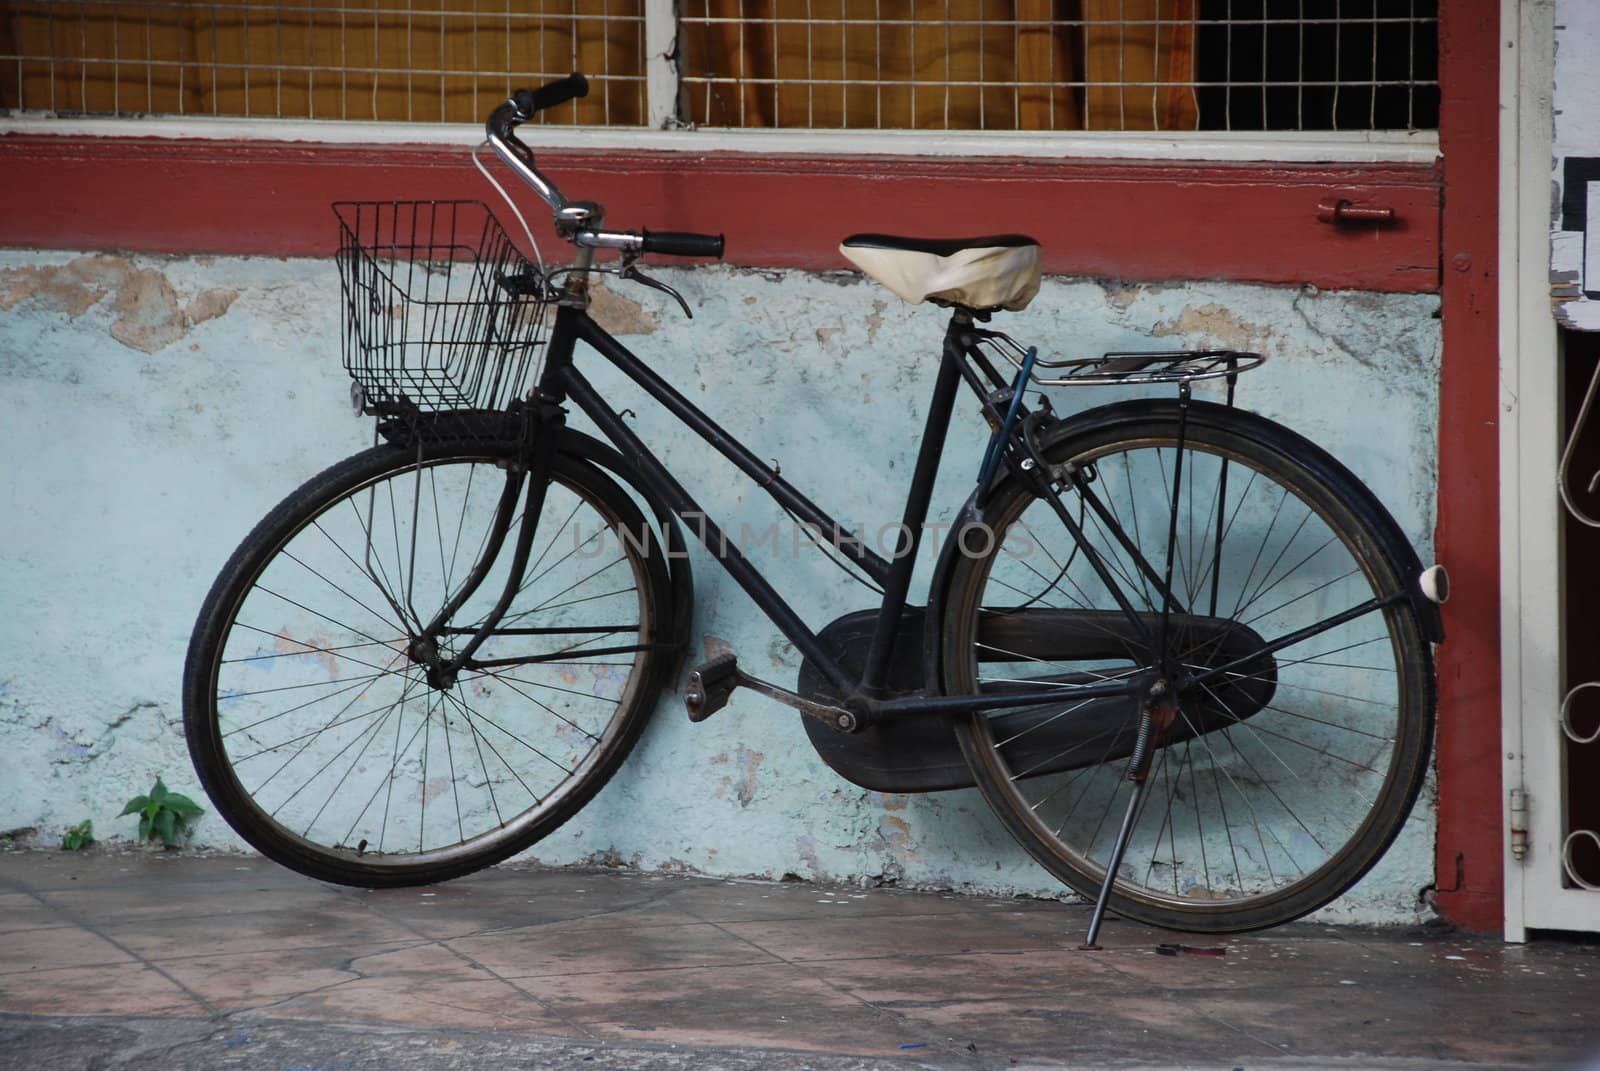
(709, 686)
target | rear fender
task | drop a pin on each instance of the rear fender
(1393, 544)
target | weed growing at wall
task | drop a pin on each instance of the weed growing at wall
(163, 815)
(78, 837)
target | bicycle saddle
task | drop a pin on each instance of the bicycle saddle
(996, 272)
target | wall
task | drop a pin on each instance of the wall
(158, 407)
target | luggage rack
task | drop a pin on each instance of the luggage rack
(1130, 367)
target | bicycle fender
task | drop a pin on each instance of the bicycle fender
(1394, 546)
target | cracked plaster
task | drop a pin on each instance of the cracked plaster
(160, 406)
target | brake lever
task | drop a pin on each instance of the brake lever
(631, 271)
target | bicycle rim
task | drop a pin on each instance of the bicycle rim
(313, 722)
(1274, 784)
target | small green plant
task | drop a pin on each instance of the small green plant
(163, 814)
(78, 837)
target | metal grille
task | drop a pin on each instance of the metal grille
(1330, 65)
(1246, 65)
(440, 61)
(1580, 849)
(1062, 64)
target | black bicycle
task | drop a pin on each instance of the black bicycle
(1182, 651)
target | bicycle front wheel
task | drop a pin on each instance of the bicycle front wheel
(311, 715)
(1285, 770)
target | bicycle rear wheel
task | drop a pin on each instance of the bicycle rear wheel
(1285, 773)
(307, 704)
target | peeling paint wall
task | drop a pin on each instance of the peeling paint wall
(159, 407)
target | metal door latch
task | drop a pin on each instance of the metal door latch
(1343, 210)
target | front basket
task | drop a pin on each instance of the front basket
(442, 311)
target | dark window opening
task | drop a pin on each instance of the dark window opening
(1318, 65)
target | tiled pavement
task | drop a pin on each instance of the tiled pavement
(232, 958)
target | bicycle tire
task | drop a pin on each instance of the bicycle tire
(1247, 820)
(302, 650)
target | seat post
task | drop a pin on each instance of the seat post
(916, 511)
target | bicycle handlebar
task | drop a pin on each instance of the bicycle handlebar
(681, 244)
(573, 217)
(529, 101)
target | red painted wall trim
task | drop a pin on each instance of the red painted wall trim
(1118, 219)
(1470, 857)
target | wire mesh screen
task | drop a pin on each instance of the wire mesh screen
(876, 64)
(1062, 64)
(439, 61)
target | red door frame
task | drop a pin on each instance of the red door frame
(1119, 219)
(1470, 857)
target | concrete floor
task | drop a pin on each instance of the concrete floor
(140, 959)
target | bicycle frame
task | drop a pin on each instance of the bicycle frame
(562, 381)
(961, 359)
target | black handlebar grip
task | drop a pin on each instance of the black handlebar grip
(682, 244)
(548, 96)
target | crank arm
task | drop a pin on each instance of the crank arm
(712, 683)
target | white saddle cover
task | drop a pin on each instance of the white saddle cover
(978, 277)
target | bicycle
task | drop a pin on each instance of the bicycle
(1182, 651)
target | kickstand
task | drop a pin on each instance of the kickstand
(1138, 772)
(1112, 866)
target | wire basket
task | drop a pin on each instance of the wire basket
(442, 311)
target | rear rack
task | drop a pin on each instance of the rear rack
(1129, 367)
(1120, 369)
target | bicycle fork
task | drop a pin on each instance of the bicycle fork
(530, 472)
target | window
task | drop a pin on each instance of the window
(1169, 65)
(440, 62)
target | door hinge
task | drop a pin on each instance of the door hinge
(1519, 824)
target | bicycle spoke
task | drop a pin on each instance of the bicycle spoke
(467, 711)
(310, 648)
(332, 621)
(508, 682)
